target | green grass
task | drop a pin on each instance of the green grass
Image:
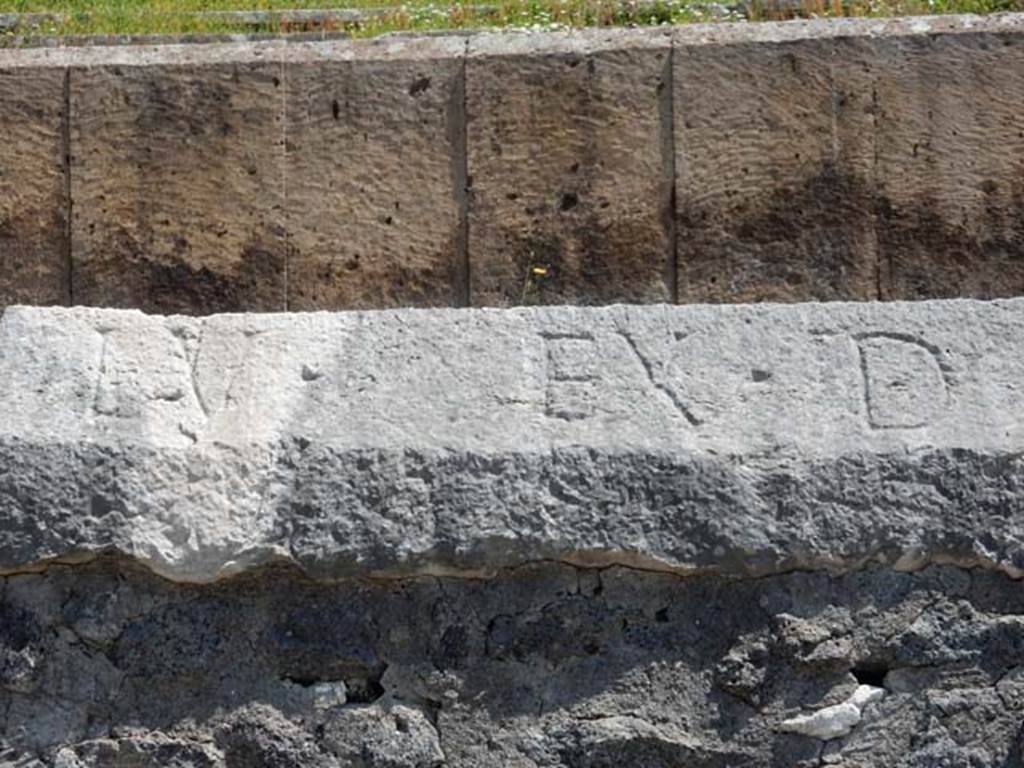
(178, 17)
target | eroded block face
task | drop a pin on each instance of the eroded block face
(376, 172)
(951, 165)
(570, 169)
(774, 159)
(33, 200)
(177, 177)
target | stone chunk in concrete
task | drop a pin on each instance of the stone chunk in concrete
(740, 439)
(774, 159)
(33, 187)
(570, 165)
(376, 173)
(836, 721)
(178, 186)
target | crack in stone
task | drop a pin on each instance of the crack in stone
(832, 569)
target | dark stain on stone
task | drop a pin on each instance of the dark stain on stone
(454, 645)
(18, 629)
(130, 276)
(622, 259)
(33, 258)
(809, 242)
(21, 649)
(927, 256)
(587, 262)
(836, 238)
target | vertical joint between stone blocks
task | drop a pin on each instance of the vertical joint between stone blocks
(458, 136)
(666, 115)
(65, 140)
(876, 192)
(285, 228)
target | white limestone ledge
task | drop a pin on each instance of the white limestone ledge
(738, 439)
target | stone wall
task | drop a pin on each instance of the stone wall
(771, 535)
(776, 534)
(798, 161)
(107, 666)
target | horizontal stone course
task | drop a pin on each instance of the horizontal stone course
(743, 439)
(847, 159)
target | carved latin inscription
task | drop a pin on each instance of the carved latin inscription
(906, 380)
(659, 373)
(572, 360)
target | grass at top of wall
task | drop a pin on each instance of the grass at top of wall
(185, 17)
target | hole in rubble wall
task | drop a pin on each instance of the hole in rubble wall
(870, 674)
(358, 689)
(364, 690)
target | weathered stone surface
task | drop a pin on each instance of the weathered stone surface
(839, 159)
(33, 187)
(741, 439)
(376, 173)
(570, 162)
(950, 143)
(178, 182)
(848, 159)
(775, 160)
(544, 666)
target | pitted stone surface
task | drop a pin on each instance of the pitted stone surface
(852, 159)
(780, 206)
(741, 439)
(569, 143)
(374, 154)
(949, 143)
(177, 187)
